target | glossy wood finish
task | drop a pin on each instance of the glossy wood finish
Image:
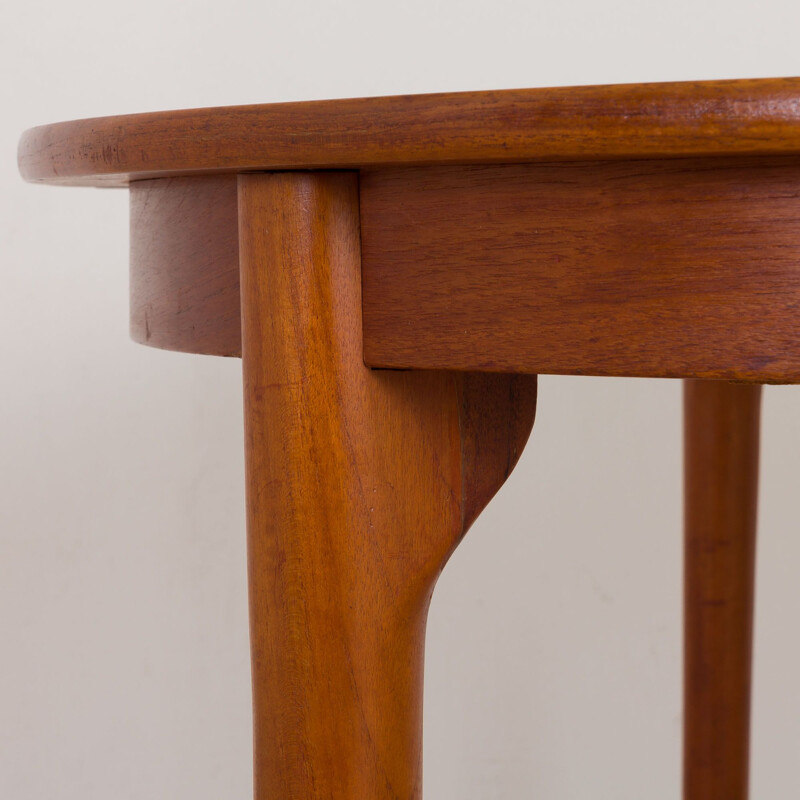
(744, 117)
(185, 265)
(617, 230)
(678, 268)
(360, 483)
(721, 481)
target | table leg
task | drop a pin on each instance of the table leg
(721, 481)
(360, 484)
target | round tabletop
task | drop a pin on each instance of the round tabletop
(711, 118)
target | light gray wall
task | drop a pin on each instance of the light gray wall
(553, 666)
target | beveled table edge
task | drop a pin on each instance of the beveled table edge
(622, 121)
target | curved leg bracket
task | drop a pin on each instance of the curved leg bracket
(360, 484)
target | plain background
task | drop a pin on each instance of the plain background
(553, 661)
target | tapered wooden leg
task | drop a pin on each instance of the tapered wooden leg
(721, 474)
(359, 485)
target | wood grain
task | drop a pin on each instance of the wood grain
(360, 483)
(671, 268)
(643, 230)
(185, 265)
(721, 486)
(744, 117)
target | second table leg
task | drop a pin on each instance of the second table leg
(721, 485)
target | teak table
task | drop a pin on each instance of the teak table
(394, 273)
